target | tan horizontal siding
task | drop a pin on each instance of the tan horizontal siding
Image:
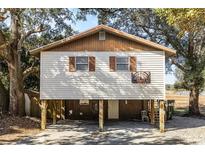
(58, 83)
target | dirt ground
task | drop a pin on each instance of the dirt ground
(180, 130)
(13, 129)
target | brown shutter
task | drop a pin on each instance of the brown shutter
(72, 64)
(91, 64)
(112, 63)
(132, 64)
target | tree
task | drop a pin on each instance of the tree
(4, 90)
(191, 24)
(104, 15)
(4, 99)
(17, 34)
(179, 84)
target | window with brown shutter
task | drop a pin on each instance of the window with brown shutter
(133, 64)
(91, 64)
(112, 61)
(72, 64)
(122, 63)
(82, 63)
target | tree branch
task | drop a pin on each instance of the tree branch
(24, 36)
(2, 52)
(32, 93)
(2, 13)
(2, 38)
(29, 71)
(2, 18)
(178, 65)
(3, 47)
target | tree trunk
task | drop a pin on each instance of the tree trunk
(17, 99)
(194, 102)
(4, 98)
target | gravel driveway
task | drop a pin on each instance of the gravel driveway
(180, 130)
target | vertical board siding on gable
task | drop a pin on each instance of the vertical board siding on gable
(111, 43)
(58, 83)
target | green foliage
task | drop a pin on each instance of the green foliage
(191, 24)
(4, 74)
(170, 27)
(178, 85)
(104, 15)
(169, 87)
(55, 24)
(187, 19)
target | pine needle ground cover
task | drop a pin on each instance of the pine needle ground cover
(15, 128)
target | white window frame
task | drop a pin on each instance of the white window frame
(128, 63)
(82, 63)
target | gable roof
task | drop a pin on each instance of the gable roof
(98, 28)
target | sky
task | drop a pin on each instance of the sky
(92, 22)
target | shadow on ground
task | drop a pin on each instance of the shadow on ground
(115, 133)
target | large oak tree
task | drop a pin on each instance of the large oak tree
(191, 26)
(22, 29)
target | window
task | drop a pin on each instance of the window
(84, 102)
(122, 63)
(102, 36)
(81, 63)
